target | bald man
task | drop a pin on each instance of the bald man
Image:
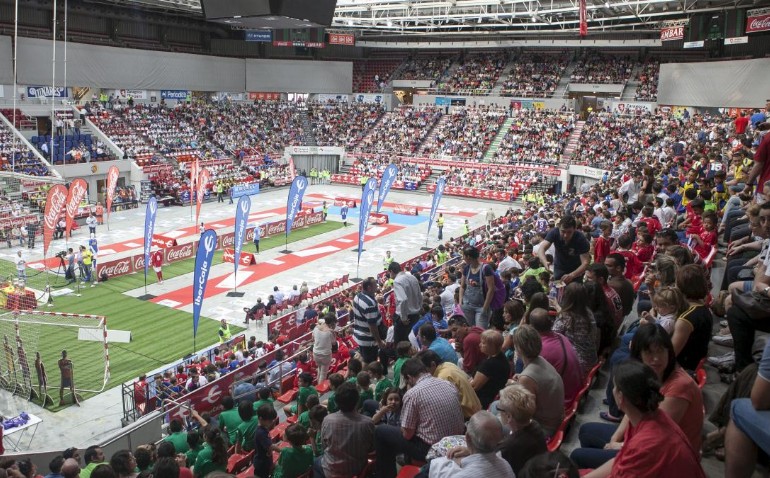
(70, 468)
(479, 456)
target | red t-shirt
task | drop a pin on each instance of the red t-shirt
(658, 447)
(156, 259)
(634, 266)
(761, 156)
(681, 385)
(601, 249)
(740, 124)
(643, 253)
(709, 239)
(653, 224)
(472, 355)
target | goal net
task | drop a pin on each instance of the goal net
(33, 342)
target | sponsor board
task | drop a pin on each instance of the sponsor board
(345, 202)
(118, 267)
(245, 189)
(10, 222)
(405, 209)
(247, 258)
(758, 21)
(47, 92)
(342, 39)
(300, 43)
(476, 193)
(630, 108)
(179, 253)
(174, 94)
(378, 218)
(672, 33)
(256, 95)
(135, 94)
(263, 36)
(736, 40)
(693, 44)
(368, 98)
(162, 242)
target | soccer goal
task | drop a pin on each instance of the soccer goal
(33, 344)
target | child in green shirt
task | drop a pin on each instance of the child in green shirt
(377, 372)
(194, 444)
(335, 380)
(245, 433)
(265, 398)
(304, 417)
(317, 415)
(404, 351)
(364, 383)
(296, 459)
(354, 368)
(306, 389)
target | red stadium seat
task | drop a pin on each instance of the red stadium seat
(408, 471)
(554, 443)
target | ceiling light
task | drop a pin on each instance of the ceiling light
(534, 18)
(350, 23)
(606, 4)
(389, 23)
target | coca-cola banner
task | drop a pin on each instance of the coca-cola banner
(672, 33)
(112, 182)
(179, 253)
(9, 222)
(758, 21)
(349, 202)
(162, 242)
(405, 209)
(378, 218)
(54, 204)
(244, 259)
(117, 267)
(203, 181)
(77, 191)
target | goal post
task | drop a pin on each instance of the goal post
(33, 342)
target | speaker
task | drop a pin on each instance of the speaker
(319, 12)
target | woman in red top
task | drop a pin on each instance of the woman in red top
(653, 444)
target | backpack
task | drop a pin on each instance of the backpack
(498, 300)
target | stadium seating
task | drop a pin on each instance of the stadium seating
(602, 69)
(342, 123)
(535, 75)
(647, 90)
(424, 67)
(400, 131)
(535, 137)
(369, 76)
(465, 133)
(17, 157)
(476, 74)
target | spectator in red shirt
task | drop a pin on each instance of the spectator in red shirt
(603, 242)
(707, 239)
(740, 123)
(643, 247)
(469, 338)
(761, 167)
(634, 266)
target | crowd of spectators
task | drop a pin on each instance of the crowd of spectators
(491, 178)
(647, 90)
(425, 68)
(599, 68)
(535, 137)
(476, 73)
(465, 133)
(401, 131)
(374, 165)
(535, 75)
(372, 75)
(342, 123)
(15, 156)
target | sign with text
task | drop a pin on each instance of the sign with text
(174, 94)
(736, 40)
(264, 96)
(758, 20)
(46, 92)
(245, 189)
(135, 94)
(303, 44)
(342, 39)
(672, 33)
(263, 36)
(693, 44)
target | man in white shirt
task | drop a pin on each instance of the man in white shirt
(21, 266)
(408, 301)
(506, 261)
(632, 187)
(448, 295)
(278, 296)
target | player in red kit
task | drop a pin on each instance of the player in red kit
(156, 259)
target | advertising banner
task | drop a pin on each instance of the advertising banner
(162, 242)
(245, 189)
(241, 221)
(149, 227)
(405, 209)
(174, 94)
(264, 96)
(244, 259)
(672, 33)
(758, 20)
(46, 92)
(377, 218)
(203, 181)
(367, 198)
(135, 94)
(583, 22)
(437, 193)
(386, 181)
(262, 36)
(77, 191)
(342, 39)
(294, 201)
(204, 260)
(349, 202)
(368, 98)
(112, 181)
(54, 204)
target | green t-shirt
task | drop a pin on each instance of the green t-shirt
(331, 403)
(380, 388)
(179, 439)
(292, 462)
(364, 396)
(319, 445)
(229, 420)
(192, 455)
(304, 419)
(259, 403)
(89, 468)
(397, 370)
(305, 392)
(709, 206)
(204, 464)
(246, 431)
(353, 380)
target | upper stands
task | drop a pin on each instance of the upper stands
(371, 76)
(603, 69)
(465, 133)
(647, 90)
(535, 74)
(536, 136)
(15, 156)
(342, 123)
(476, 73)
(401, 130)
(425, 68)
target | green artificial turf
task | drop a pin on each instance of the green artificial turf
(160, 335)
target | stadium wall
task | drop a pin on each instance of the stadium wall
(299, 76)
(737, 84)
(6, 61)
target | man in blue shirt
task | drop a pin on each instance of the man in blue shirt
(429, 338)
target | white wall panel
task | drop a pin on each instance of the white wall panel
(296, 76)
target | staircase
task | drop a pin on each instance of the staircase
(308, 138)
(572, 144)
(561, 88)
(495, 145)
(629, 91)
(430, 139)
(498, 88)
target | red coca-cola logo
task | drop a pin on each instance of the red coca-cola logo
(228, 255)
(77, 192)
(138, 262)
(314, 219)
(117, 268)
(228, 240)
(56, 199)
(179, 253)
(759, 23)
(274, 228)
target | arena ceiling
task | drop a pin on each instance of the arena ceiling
(483, 17)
